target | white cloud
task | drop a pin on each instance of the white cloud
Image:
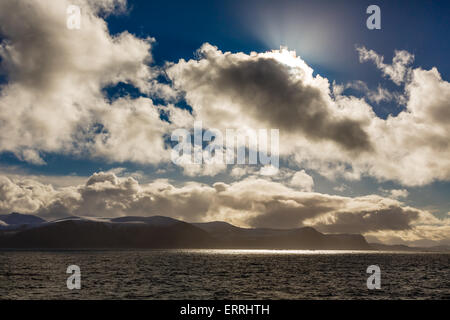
(303, 181)
(398, 71)
(23, 195)
(268, 170)
(396, 193)
(376, 96)
(341, 188)
(241, 171)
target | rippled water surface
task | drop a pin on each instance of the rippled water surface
(223, 274)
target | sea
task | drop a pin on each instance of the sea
(223, 274)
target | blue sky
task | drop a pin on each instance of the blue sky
(180, 28)
(325, 34)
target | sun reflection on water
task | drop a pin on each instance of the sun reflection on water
(276, 251)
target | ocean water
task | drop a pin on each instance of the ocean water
(223, 274)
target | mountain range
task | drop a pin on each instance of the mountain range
(29, 231)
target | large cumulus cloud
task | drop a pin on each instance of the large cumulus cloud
(322, 129)
(53, 101)
(264, 90)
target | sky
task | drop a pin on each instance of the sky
(363, 115)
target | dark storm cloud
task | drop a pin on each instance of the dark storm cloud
(288, 212)
(268, 92)
(272, 95)
(391, 218)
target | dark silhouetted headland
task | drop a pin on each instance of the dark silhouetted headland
(28, 231)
